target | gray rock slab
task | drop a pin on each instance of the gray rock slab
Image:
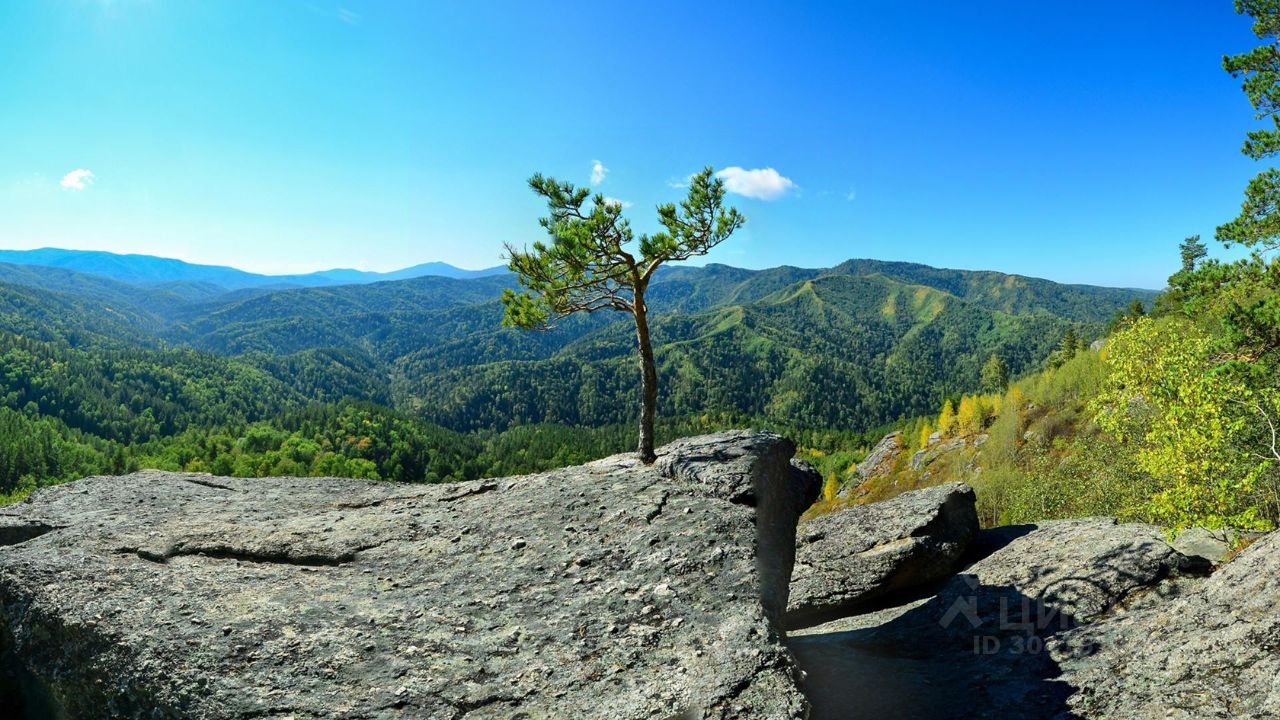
(1213, 652)
(611, 590)
(1211, 545)
(881, 458)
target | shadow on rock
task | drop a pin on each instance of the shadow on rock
(977, 648)
(973, 651)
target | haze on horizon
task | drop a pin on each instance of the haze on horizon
(1073, 141)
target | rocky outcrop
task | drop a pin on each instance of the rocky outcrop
(1210, 545)
(849, 558)
(928, 455)
(611, 590)
(977, 647)
(1075, 570)
(1080, 619)
(1214, 652)
(882, 457)
(614, 590)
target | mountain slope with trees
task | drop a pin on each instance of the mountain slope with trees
(837, 351)
(111, 375)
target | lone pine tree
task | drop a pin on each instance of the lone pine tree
(591, 264)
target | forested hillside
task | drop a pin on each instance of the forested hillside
(415, 380)
(1172, 419)
(837, 351)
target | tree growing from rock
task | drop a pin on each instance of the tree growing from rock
(594, 261)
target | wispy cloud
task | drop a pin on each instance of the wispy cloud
(341, 14)
(621, 203)
(853, 195)
(77, 179)
(29, 187)
(679, 183)
(598, 172)
(759, 183)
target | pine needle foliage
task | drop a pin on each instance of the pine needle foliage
(594, 261)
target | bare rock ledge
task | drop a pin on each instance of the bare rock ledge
(611, 590)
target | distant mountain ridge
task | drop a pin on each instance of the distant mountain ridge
(850, 347)
(153, 270)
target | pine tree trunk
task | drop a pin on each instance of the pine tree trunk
(648, 382)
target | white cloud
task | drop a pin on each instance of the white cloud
(615, 201)
(760, 183)
(598, 171)
(680, 183)
(77, 179)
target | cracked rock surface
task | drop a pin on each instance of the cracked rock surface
(1213, 652)
(610, 590)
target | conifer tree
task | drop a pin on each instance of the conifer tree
(595, 262)
(1258, 225)
(923, 439)
(995, 374)
(1068, 346)
(1192, 251)
(947, 418)
(1070, 343)
(967, 415)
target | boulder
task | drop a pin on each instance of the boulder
(1211, 545)
(849, 558)
(1213, 652)
(611, 590)
(1074, 570)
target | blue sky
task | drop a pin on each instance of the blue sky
(1078, 141)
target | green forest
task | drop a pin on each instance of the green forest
(1172, 419)
(1091, 401)
(416, 381)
